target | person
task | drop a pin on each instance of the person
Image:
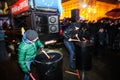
(3, 49)
(101, 35)
(27, 51)
(70, 35)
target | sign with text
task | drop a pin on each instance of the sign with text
(19, 6)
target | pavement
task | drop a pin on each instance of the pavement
(105, 66)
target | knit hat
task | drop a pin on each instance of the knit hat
(31, 34)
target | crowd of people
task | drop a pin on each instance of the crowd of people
(104, 33)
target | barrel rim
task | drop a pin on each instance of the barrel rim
(52, 61)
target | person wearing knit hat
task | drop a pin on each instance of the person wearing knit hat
(31, 35)
(27, 50)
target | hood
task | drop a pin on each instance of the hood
(26, 40)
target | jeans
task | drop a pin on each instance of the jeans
(28, 63)
(71, 48)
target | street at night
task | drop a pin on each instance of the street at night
(104, 67)
(59, 39)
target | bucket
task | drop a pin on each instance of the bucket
(48, 69)
(83, 56)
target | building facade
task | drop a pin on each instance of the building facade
(88, 9)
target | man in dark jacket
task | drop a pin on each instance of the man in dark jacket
(27, 51)
(69, 34)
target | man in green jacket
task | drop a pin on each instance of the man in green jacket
(27, 51)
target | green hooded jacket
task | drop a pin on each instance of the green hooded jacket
(27, 52)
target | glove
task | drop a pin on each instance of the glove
(42, 48)
(69, 39)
